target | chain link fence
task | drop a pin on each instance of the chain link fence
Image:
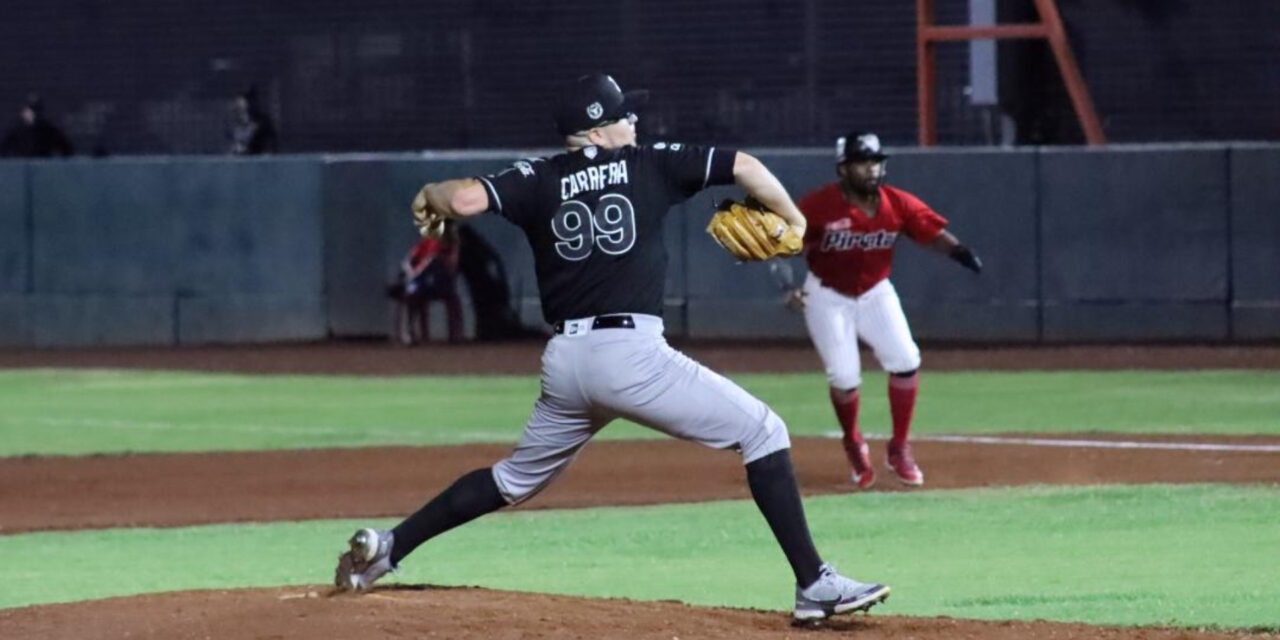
(159, 76)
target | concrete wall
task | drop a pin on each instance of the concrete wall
(15, 229)
(163, 251)
(1254, 225)
(1135, 244)
(1126, 243)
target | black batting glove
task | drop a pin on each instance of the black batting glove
(965, 256)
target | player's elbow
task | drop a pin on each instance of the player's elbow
(746, 167)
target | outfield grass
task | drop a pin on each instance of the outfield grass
(1187, 555)
(76, 412)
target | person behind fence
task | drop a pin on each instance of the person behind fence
(429, 272)
(33, 135)
(251, 131)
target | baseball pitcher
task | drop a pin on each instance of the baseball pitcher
(853, 225)
(593, 216)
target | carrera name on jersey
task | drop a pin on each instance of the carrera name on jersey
(844, 240)
(593, 178)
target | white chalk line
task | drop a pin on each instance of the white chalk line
(1085, 444)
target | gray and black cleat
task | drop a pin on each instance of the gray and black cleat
(834, 594)
(368, 559)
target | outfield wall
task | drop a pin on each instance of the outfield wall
(1150, 243)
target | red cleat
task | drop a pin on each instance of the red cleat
(904, 465)
(863, 475)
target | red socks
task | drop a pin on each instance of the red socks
(846, 405)
(902, 404)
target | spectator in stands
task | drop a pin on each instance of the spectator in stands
(33, 136)
(252, 132)
(429, 272)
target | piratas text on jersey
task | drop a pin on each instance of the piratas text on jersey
(844, 240)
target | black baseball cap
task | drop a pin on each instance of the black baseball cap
(593, 99)
(859, 146)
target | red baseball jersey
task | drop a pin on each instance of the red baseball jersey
(851, 251)
(428, 248)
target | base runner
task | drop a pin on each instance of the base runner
(853, 225)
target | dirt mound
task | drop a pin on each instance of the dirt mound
(464, 613)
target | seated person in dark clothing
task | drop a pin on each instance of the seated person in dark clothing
(34, 136)
(481, 267)
(252, 132)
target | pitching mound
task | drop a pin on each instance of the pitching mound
(480, 614)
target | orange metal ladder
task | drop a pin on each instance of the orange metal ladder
(1049, 27)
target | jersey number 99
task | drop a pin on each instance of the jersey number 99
(611, 227)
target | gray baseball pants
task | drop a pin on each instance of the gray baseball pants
(592, 376)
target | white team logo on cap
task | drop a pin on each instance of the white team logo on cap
(867, 143)
(594, 110)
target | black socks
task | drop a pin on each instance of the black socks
(470, 497)
(771, 478)
(773, 485)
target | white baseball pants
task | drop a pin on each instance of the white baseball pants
(837, 321)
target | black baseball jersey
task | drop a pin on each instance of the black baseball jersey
(594, 220)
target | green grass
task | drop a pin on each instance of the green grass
(76, 412)
(1186, 555)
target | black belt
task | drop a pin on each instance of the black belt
(605, 322)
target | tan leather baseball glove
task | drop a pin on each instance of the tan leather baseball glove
(750, 232)
(430, 223)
